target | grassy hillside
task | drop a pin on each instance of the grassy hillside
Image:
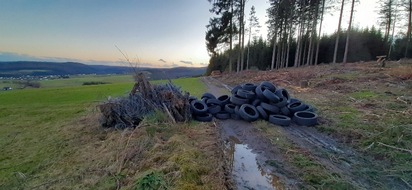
(362, 106)
(21, 68)
(50, 138)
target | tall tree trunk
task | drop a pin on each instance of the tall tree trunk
(286, 36)
(231, 37)
(393, 33)
(320, 32)
(310, 35)
(305, 46)
(279, 54)
(289, 40)
(298, 46)
(345, 56)
(337, 33)
(242, 23)
(274, 51)
(408, 35)
(248, 48)
(313, 35)
(309, 50)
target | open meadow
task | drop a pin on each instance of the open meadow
(50, 138)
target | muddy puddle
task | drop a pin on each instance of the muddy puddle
(251, 160)
(245, 169)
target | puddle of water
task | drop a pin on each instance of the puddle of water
(246, 172)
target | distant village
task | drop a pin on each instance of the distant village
(26, 80)
(30, 77)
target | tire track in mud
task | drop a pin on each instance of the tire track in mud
(336, 157)
(248, 152)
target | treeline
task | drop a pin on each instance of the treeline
(365, 45)
(294, 35)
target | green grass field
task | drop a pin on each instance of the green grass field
(79, 80)
(34, 123)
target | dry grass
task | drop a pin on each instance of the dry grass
(362, 106)
(403, 72)
(110, 159)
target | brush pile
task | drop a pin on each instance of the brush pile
(144, 99)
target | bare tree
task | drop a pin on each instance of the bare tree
(338, 32)
(320, 31)
(393, 33)
(253, 23)
(345, 56)
(408, 33)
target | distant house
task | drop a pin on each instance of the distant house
(7, 88)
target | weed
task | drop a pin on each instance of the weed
(364, 95)
(151, 181)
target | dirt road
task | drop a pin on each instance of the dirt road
(259, 160)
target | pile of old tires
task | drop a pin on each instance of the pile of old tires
(251, 102)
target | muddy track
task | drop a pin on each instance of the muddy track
(335, 157)
(248, 153)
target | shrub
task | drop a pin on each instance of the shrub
(95, 83)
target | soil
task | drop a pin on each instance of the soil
(333, 152)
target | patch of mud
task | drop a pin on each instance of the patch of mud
(253, 162)
(248, 155)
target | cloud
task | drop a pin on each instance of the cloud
(162, 60)
(186, 62)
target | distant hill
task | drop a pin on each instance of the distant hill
(34, 68)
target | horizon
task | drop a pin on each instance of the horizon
(146, 66)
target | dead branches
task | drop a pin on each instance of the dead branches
(394, 147)
(144, 99)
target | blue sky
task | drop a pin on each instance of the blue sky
(155, 33)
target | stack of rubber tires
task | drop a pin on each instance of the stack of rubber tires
(251, 102)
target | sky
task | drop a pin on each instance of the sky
(154, 33)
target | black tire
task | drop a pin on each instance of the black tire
(297, 106)
(293, 100)
(309, 108)
(222, 115)
(198, 107)
(224, 99)
(283, 102)
(270, 108)
(285, 111)
(246, 94)
(280, 120)
(238, 100)
(208, 96)
(204, 117)
(191, 98)
(230, 108)
(305, 118)
(214, 109)
(213, 102)
(256, 102)
(237, 110)
(282, 93)
(259, 92)
(262, 112)
(234, 90)
(248, 112)
(271, 96)
(235, 116)
(204, 99)
(249, 87)
(268, 85)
